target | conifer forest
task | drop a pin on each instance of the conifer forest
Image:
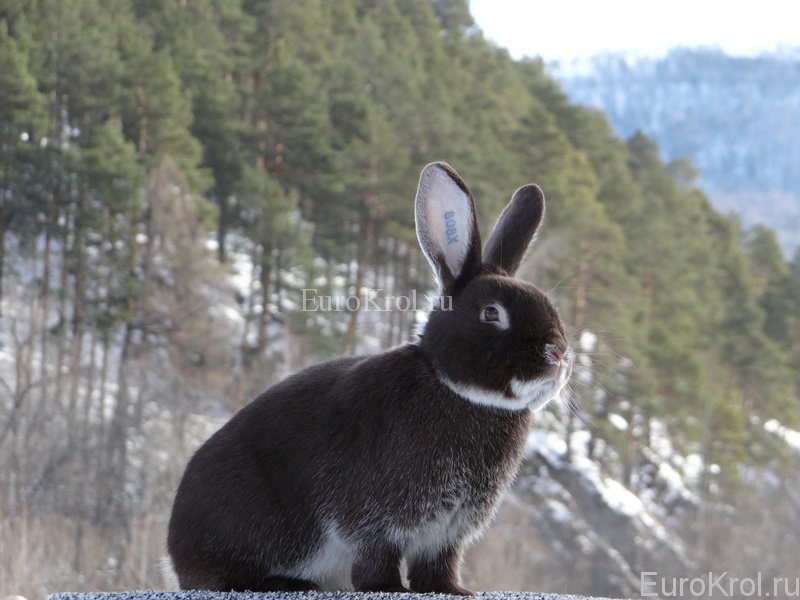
(173, 175)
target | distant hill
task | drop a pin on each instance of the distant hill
(737, 119)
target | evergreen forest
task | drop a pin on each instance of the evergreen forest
(173, 173)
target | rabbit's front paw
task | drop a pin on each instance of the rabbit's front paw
(455, 590)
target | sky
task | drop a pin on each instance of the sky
(569, 29)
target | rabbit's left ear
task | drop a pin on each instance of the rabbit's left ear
(515, 229)
(447, 227)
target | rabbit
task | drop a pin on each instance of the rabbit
(374, 473)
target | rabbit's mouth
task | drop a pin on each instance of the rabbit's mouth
(539, 392)
(520, 394)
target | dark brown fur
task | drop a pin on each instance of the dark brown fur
(374, 448)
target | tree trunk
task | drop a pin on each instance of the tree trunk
(402, 321)
(582, 281)
(5, 224)
(78, 301)
(62, 302)
(45, 308)
(579, 318)
(263, 319)
(627, 461)
(222, 227)
(361, 269)
(116, 450)
(101, 458)
(392, 318)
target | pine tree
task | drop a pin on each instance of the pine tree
(772, 283)
(21, 125)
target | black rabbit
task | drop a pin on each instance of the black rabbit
(351, 470)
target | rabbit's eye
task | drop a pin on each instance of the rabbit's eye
(490, 314)
(496, 314)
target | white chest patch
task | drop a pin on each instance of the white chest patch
(534, 394)
(330, 567)
(429, 537)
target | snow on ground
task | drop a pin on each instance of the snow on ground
(790, 436)
(675, 482)
(549, 445)
(620, 498)
(660, 440)
(618, 421)
(552, 448)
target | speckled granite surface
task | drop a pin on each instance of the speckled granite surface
(205, 595)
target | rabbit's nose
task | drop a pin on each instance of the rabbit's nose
(556, 353)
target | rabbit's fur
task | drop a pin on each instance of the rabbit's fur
(340, 475)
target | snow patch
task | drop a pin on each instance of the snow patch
(790, 436)
(587, 341)
(559, 512)
(618, 421)
(620, 498)
(548, 445)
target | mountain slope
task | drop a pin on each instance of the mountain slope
(737, 119)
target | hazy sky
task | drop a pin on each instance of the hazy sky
(566, 29)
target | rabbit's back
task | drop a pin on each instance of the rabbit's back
(248, 491)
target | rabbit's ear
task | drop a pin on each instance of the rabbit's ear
(447, 227)
(515, 229)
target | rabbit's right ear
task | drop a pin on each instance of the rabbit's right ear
(447, 227)
(515, 229)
